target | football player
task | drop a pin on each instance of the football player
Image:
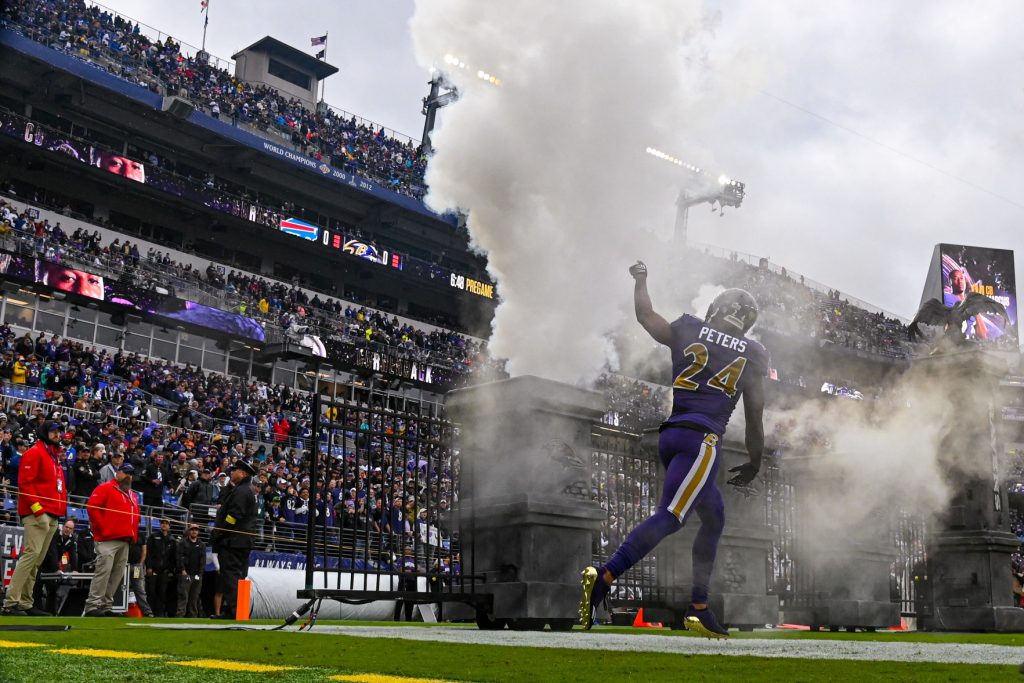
(713, 364)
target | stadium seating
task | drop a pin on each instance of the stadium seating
(273, 303)
(122, 46)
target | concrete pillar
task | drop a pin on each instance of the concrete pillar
(527, 514)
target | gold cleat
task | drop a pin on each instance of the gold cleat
(589, 580)
(694, 624)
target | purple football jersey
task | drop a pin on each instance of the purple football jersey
(711, 369)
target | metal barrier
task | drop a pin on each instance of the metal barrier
(388, 523)
(10, 398)
(626, 481)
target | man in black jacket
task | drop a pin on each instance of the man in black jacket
(154, 477)
(161, 558)
(202, 493)
(87, 474)
(232, 537)
(191, 565)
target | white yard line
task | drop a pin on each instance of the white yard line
(894, 651)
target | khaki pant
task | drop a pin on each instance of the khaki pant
(111, 559)
(39, 532)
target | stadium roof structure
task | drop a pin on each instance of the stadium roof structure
(274, 47)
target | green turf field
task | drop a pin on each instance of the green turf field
(72, 656)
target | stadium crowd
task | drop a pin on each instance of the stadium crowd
(633, 405)
(122, 46)
(791, 307)
(382, 465)
(287, 306)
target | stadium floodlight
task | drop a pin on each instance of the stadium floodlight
(458, 63)
(443, 93)
(452, 60)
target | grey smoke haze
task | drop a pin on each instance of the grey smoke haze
(886, 454)
(551, 166)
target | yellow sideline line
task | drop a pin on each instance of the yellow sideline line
(220, 664)
(380, 678)
(112, 654)
(226, 665)
(19, 643)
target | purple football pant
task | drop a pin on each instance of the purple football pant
(691, 463)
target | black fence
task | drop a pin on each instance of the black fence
(626, 481)
(385, 519)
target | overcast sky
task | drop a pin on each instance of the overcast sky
(865, 134)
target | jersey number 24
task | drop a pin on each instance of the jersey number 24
(725, 380)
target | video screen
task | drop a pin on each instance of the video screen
(111, 162)
(70, 280)
(17, 267)
(210, 318)
(126, 294)
(53, 141)
(985, 271)
(297, 228)
(363, 250)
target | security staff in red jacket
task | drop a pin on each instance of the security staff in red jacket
(42, 498)
(114, 518)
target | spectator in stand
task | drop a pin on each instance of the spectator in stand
(191, 563)
(8, 452)
(114, 518)
(87, 474)
(155, 479)
(42, 499)
(109, 470)
(201, 493)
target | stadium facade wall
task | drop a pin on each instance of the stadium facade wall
(69, 225)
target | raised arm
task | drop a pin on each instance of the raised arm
(651, 321)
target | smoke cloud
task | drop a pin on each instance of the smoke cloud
(906, 450)
(551, 165)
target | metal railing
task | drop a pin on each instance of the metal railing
(399, 518)
(626, 481)
(150, 515)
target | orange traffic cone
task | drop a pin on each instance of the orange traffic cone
(133, 610)
(242, 602)
(640, 623)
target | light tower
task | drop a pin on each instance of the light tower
(699, 187)
(438, 99)
(441, 95)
